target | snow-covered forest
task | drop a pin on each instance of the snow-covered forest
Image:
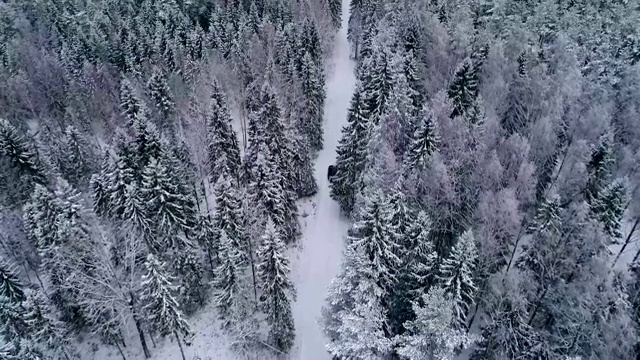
(164, 191)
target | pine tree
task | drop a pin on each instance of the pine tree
(135, 214)
(378, 81)
(99, 186)
(10, 285)
(463, 89)
(277, 290)
(223, 150)
(423, 143)
(160, 304)
(456, 276)
(160, 93)
(231, 296)
(352, 152)
(433, 334)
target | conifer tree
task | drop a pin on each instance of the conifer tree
(12, 318)
(313, 89)
(160, 93)
(172, 213)
(456, 276)
(160, 304)
(433, 333)
(423, 143)
(99, 186)
(303, 179)
(335, 9)
(20, 166)
(378, 82)
(44, 327)
(352, 154)
(10, 285)
(228, 218)
(129, 102)
(354, 317)
(463, 89)
(277, 290)
(192, 285)
(77, 160)
(611, 209)
(231, 297)
(374, 235)
(223, 150)
(419, 265)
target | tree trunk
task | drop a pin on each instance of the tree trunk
(253, 271)
(515, 248)
(537, 307)
(627, 241)
(136, 320)
(206, 199)
(120, 351)
(179, 345)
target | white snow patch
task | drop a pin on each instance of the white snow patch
(324, 229)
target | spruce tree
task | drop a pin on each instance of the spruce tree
(610, 208)
(463, 89)
(129, 102)
(228, 218)
(419, 265)
(171, 211)
(335, 10)
(378, 81)
(313, 89)
(456, 276)
(231, 296)
(277, 290)
(433, 333)
(159, 298)
(160, 93)
(12, 318)
(373, 233)
(192, 285)
(21, 167)
(77, 158)
(304, 181)
(223, 150)
(424, 142)
(354, 317)
(45, 328)
(351, 154)
(10, 285)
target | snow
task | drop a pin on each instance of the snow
(322, 244)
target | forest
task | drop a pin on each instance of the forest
(161, 162)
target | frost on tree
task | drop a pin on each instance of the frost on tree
(223, 150)
(230, 282)
(160, 305)
(351, 154)
(10, 285)
(433, 334)
(276, 289)
(456, 276)
(353, 318)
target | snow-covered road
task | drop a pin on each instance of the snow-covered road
(322, 244)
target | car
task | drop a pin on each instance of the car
(331, 172)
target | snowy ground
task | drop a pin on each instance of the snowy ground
(321, 247)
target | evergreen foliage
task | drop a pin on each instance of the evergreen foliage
(10, 285)
(277, 290)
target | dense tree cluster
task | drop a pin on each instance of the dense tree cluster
(489, 166)
(151, 157)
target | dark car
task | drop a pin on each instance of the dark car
(331, 172)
